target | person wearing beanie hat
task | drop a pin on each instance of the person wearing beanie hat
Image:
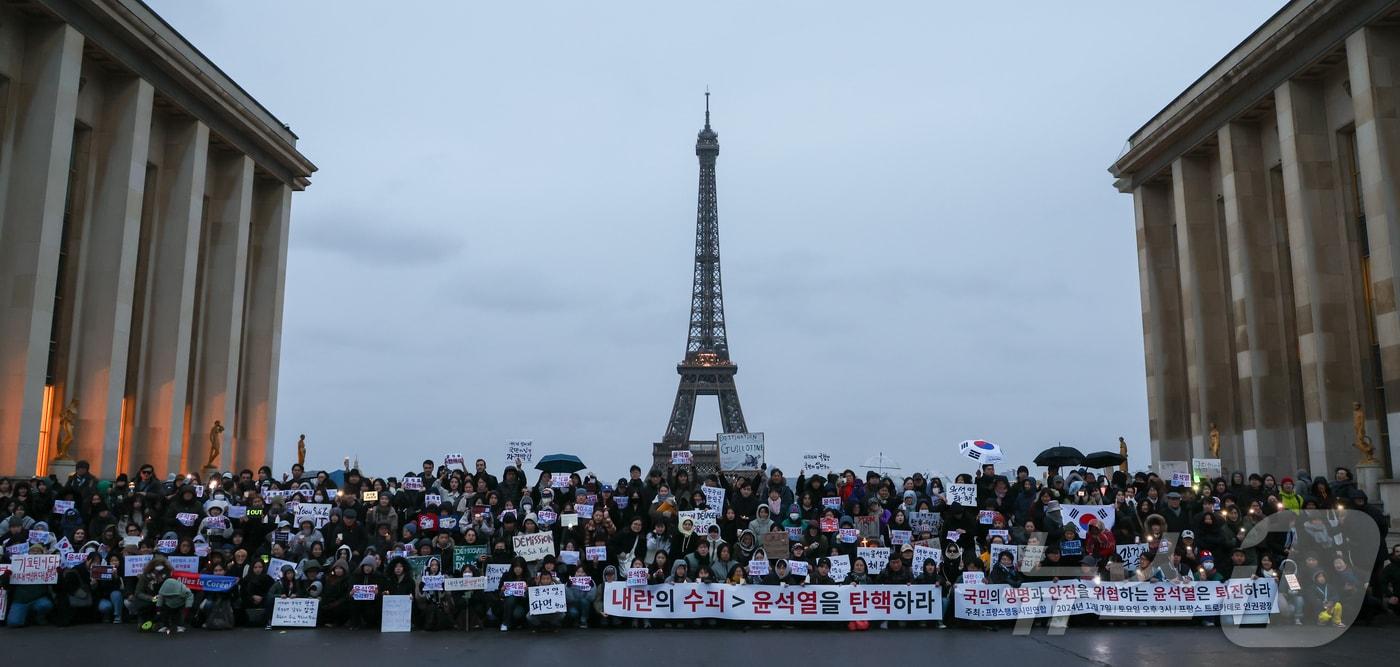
(1288, 498)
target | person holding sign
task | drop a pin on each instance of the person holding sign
(513, 600)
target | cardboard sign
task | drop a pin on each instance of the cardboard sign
(680, 457)
(1205, 469)
(533, 546)
(869, 526)
(596, 553)
(816, 462)
(740, 452)
(1175, 473)
(396, 614)
(524, 450)
(319, 514)
(775, 544)
(300, 612)
(876, 558)
(133, 565)
(453, 459)
(547, 600)
(962, 494)
(1031, 556)
(1131, 554)
(34, 569)
(714, 497)
(998, 549)
(363, 592)
(636, 576)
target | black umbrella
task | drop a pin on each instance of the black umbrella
(1103, 459)
(1059, 455)
(560, 463)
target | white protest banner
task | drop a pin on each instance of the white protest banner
(167, 546)
(1175, 473)
(680, 457)
(962, 494)
(524, 450)
(584, 584)
(637, 576)
(513, 589)
(453, 460)
(900, 537)
(798, 567)
(714, 497)
(432, 499)
(73, 559)
(494, 572)
(840, 567)
(925, 521)
(61, 507)
(998, 549)
(464, 584)
(44, 537)
(740, 451)
(186, 518)
(704, 519)
(237, 511)
(596, 553)
(987, 517)
(1205, 469)
(546, 517)
(1116, 598)
(559, 480)
(413, 483)
(547, 600)
(831, 502)
(275, 565)
(568, 557)
(1130, 554)
(367, 496)
(847, 535)
(397, 614)
(816, 462)
(568, 520)
(1080, 516)
(533, 546)
(758, 568)
(923, 553)
(133, 565)
(184, 563)
(876, 558)
(774, 603)
(1003, 533)
(34, 569)
(433, 582)
(298, 612)
(973, 577)
(585, 511)
(363, 592)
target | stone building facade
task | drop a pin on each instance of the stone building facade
(146, 203)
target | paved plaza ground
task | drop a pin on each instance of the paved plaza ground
(1095, 646)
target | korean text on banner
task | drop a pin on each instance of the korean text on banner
(547, 600)
(398, 613)
(774, 603)
(295, 612)
(1118, 598)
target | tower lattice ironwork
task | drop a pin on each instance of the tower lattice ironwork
(706, 369)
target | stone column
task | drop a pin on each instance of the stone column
(1162, 336)
(220, 327)
(262, 324)
(108, 272)
(165, 350)
(1373, 60)
(1329, 350)
(1205, 300)
(1272, 422)
(45, 103)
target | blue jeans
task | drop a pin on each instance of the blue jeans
(111, 605)
(20, 611)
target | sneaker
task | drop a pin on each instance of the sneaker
(504, 628)
(116, 621)
(583, 625)
(148, 626)
(1339, 624)
(179, 628)
(269, 627)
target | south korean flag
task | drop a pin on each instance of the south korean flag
(1081, 515)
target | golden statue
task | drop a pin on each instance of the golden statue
(1214, 441)
(1123, 449)
(216, 435)
(66, 420)
(1363, 441)
(301, 451)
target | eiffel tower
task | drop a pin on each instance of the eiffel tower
(707, 369)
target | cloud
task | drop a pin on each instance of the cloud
(383, 242)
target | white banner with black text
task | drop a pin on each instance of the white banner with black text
(1115, 598)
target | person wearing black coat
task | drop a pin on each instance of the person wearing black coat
(253, 589)
(365, 613)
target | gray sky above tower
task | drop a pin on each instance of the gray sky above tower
(921, 243)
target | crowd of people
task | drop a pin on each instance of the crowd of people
(382, 536)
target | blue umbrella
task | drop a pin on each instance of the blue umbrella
(560, 463)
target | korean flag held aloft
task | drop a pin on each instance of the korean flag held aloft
(980, 451)
(1081, 515)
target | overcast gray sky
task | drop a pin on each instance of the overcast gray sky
(920, 241)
